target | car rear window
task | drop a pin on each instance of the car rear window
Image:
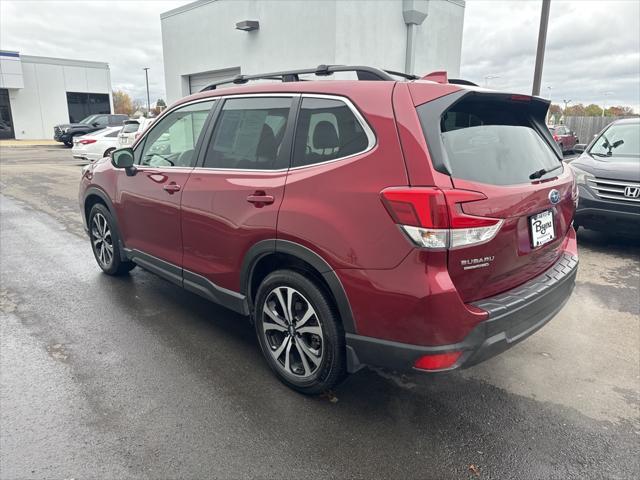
(130, 127)
(493, 142)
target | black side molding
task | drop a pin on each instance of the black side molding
(190, 281)
(265, 247)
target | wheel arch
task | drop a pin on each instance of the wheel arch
(95, 195)
(269, 255)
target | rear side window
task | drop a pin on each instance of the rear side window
(113, 134)
(492, 142)
(130, 127)
(327, 129)
(249, 134)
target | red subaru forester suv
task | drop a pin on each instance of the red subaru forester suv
(406, 223)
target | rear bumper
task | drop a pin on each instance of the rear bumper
(512, 316)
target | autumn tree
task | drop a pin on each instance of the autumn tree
(122, 102)
(577, 110)
(618, 111)
(593, 110)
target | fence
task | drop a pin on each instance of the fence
(587, 127)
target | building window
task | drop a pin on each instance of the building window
(6, 122)
(81, 105)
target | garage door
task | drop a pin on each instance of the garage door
(198, 81)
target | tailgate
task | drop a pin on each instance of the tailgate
(499, 145)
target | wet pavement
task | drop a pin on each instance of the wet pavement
(130, 377)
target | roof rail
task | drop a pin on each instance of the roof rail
(363, 73)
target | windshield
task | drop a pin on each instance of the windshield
(621, 141)
(88, 120)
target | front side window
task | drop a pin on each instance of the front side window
(172, 142)
(621, 141)
(327, 129)
(249, 134)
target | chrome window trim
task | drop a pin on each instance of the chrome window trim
(371, 137)
(143, 137)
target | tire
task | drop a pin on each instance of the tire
(105, 242)
(108, 152)
(316, 355)
(69, 143)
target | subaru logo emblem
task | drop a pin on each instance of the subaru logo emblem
(554, 196)
(632, 192)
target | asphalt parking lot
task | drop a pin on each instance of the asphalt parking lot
(130, 378)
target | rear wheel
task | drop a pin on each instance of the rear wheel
(299, 333)
(109, 151)
(105, 242)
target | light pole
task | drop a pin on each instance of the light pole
(146, 74)
(564, 112)
(542, 40)
(549, 87)
(489, 77)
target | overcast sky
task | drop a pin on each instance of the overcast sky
(593, 47)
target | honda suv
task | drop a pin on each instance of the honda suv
(412, 224)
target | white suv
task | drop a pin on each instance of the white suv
(133, 129)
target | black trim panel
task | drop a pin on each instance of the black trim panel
(265, 247)
(190, 281)
(205, 288)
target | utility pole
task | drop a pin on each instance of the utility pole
(146, 74)
(542, 41)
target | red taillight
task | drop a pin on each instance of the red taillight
(521, 98)
(556, 137)
(420, 207)
(87, 141)
(432, 218)
(439, 361)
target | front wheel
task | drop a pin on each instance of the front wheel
(299, 332)
(105, 242)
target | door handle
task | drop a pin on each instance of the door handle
(171, 188)
(260, 199)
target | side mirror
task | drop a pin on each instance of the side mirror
(579, 147)
(123, 158)
(95, 124)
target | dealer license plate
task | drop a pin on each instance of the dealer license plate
(542, 230)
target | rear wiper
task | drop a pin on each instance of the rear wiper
(600, 154)
(539, 173)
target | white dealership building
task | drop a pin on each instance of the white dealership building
(208, 40)
(37, 93)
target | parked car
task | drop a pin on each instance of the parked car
(96, 145)
(64, 133)
(565, 138)
(131, 130)
(608, 176)
(413, 225)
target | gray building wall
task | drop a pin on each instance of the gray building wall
(201, 37)
(38, 87)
